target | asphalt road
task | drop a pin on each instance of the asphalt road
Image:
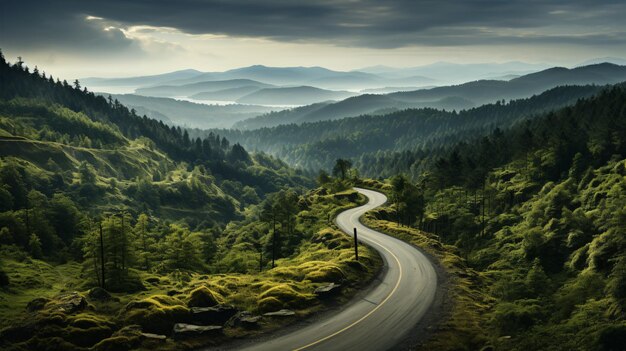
(381, 319)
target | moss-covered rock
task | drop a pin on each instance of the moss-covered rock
(269, 304)
(98, 294)
(85, 321)
(156, 314)
(203, 297)
(286, 296)
(68, 303)
(323, 272)
(217, 315)
(87, 337)
(51, 343)
(183, 331)
(332, 239)
(37, 304)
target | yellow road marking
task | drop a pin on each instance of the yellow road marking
(370, 312)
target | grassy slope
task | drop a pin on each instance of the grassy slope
(326, 257)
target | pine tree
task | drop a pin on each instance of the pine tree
(34, 246)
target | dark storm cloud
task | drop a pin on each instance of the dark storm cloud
(42, 25)
(366, 23)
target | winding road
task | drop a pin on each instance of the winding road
(382, 318)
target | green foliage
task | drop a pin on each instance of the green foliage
(34, 246)
(322, 255)
(69, 157)
(540, 211)
(182, 250)
(341, 168)
(405, 141)
(511, 318)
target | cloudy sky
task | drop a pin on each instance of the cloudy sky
(78, 38)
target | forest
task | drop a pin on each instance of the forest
(538, 212)
(137, 215)
(316, 145)
(115, 228)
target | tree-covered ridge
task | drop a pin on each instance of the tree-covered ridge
(70, 159)
(58, 152)
(594, 127)
(317, 145)
(166, 224)
(539, 210)
(18, 82)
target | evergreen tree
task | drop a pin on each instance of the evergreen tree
(34, 246)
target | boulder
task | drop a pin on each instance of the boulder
(156, 314)
(250, 320)
(327, 291)
(37, 304)
(87, 337)
(212, 315)
(69, 303)
(244, 319)
(98, 294)
(132, 330)
(182, 330)
(151, 336)
(280, 313)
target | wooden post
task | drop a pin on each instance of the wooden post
(356, 246)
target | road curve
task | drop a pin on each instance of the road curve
(385, 316)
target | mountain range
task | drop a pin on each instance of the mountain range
(454, 97)
(305, 90)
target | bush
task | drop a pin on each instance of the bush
(510, 318)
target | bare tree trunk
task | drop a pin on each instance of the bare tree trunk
(102, 257)
(274, 242)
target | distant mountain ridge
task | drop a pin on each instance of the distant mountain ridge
(317, 144)
(448, 72)
(454, 97)
(189, 114)
(199, 87)
(141, 80)
(485, 91)
(302, 95)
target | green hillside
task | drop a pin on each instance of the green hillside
(113, 225)
(317, 145)
(539, 212)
